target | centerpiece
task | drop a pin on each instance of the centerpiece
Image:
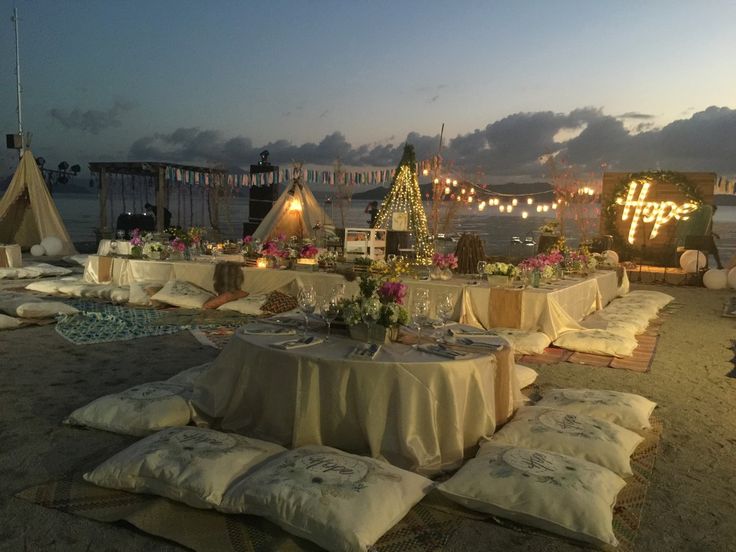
(377, 312)
(500, 274)
(442, 266)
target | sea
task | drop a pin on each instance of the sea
(503, 233)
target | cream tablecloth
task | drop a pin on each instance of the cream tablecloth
(414, 409)
(10, 256)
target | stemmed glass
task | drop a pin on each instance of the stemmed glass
(445, 308)
(329, 310)
(481, 267)
(307, 302)
(420, 312)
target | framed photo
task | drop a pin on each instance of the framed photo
(400, 221)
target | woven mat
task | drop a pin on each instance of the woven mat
(427, 527)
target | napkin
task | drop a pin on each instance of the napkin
(442, 351)
(365, 352)
(492, 345)
(270, 330)
(470, 331)
(298, 343)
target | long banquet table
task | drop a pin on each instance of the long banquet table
(413, 409)
(552, 309)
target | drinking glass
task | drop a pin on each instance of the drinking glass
(445, 308)
(329, 310)
(420, 313)
(307, 302)
(481, 267)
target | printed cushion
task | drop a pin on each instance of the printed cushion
(8, 322)
(661, 299)
(189, 376)
(617, 324)
(190, 465)
(550, 491)
(525, 375)
(140, 410)
(524, 342)
(338, 500)
(597, 342)
(225, 297)
(278, 301)
(592, 439)
(638, 308)
(625, 409)
(44, 309)
(247, 305)
(183, 294)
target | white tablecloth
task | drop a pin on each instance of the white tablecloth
(10, 256)
(414, 409)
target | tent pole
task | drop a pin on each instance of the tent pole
(102, 175)
(160, 199)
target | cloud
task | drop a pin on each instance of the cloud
(93, 121)
(509, 148)
(635, 115)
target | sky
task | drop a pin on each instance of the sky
(618, 84)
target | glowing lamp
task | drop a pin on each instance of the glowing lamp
(262, 262)
(470, 199)
(295, 205)
(554, 206)
(425, 172)
(306, 261)
(509, 208)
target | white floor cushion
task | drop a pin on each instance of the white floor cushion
(524, 342)
(9, 322)
(182, 294)
(525, 375)
(73, 289)
(44, 309)
(46, 286)
(625, 409)
(619, 324)
(189, 376)
(338, 500)
(597, 342)
(592, 439)
(641, 308)
(190, 465)
(119, 295)
(141, 292)
(140, 410)
(553, 492)
(638, 321)
(46, 269)
(246, 305)
(10, 301)
(662, 299)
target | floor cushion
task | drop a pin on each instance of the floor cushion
(9, 302)
(119, 295)
(225, 297)
(45, 286)
(141, 292)
(642, 308)
(189, 376)
(550, 491)
(625, 409)
(73, 289)
(44, 309)
(524, 342)
(182, 294)
(639, 322)
(592, 439)
(188, 464)
(278, 302)
(247, 305)
(8, 322)
(597, 342)
(525, 375)
(140, 410)
(661, 299)
(338, 500)
(618, 324)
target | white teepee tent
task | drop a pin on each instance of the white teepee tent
(295, 213)
(28, 213)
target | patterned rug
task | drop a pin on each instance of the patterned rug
(426, 528)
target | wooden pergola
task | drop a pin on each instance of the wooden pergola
(151, 169)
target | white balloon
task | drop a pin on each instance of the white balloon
(692, 260)
(732, 278)
(38, 250)
(610, 256)
(52, 245)
(716, 279)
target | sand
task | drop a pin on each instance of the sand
(692, 497)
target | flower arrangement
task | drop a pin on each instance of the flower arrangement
(379, 302)
(196, 235)
(539, 262)
(308, 251)
(275, 248)
(398, 267)
(444, 261)
(143, 244)
(379, 267)
(501, 269)
(579, 260)
(251, 248)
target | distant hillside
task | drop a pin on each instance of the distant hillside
(520, 189)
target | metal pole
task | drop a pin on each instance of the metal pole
(17, 80)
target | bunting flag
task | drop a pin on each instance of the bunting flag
(725, 185)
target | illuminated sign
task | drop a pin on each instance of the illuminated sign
(638, 209)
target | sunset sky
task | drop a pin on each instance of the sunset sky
(618, 83)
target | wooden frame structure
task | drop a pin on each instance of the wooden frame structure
(153, 169)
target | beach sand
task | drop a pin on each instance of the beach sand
(691, 503)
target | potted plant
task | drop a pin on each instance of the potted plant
(376, 314)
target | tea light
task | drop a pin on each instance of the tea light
(304, 261)
(262, 262)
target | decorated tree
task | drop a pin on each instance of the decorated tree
(405, 197)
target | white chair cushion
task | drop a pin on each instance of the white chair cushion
(338, 500)
(592, 439)
(183, 294)
(190, 465)
(525, 375)
(140, 410)
(44, 309)
(598, 342)
(625, 409)
(246, 305)
(554, 492)
(190, 375)
(8, 322)
(661, 299)
(524, 342)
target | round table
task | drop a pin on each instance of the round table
(413, 409)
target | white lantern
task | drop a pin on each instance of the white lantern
(52, 245)
(38, 250)
(732, 278)
(693, 260)
(715, 279)
(610, 256)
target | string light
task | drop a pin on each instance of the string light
(545, 208)
(462, 191)
(514, 202)
(470, 199)
(447, 190)
(501, 208)
(554, 206)
(539, 208)
(524, 214)
(529, 201)
(481, 205)
(509, 208)
(454, 182)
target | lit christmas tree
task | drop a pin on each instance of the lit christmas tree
(405, 197)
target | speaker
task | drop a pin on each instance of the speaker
(14, 141)
(261, 200)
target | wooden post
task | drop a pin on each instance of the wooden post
(160, 199)
(103, 201)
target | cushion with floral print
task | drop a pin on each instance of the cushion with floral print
(278, 301)
(641, 308)
(550, 491)
(659, 298)
(189, 464)
(625, 409)
(616, 323)
(592, 439)
(246, 305)
(182, 294)
(597, 342)
(338, 500)
(139, 410)
(524, 342)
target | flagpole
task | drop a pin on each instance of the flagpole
(17, 80)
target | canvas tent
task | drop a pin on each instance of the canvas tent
(295, 213)
(27, 211)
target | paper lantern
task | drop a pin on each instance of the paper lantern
(52, 245)
(732, 278)
(715, 279)
(610, 256)
(38, 250)
(692, 260)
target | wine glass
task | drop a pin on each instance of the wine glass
(329, 310)
(445, 308)
(481, 267)
(420, 313)
(307, 302)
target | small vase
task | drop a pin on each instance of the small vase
(375, 333)
(446, 274)
(498, 280)
(435, 273)
(536, 278)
